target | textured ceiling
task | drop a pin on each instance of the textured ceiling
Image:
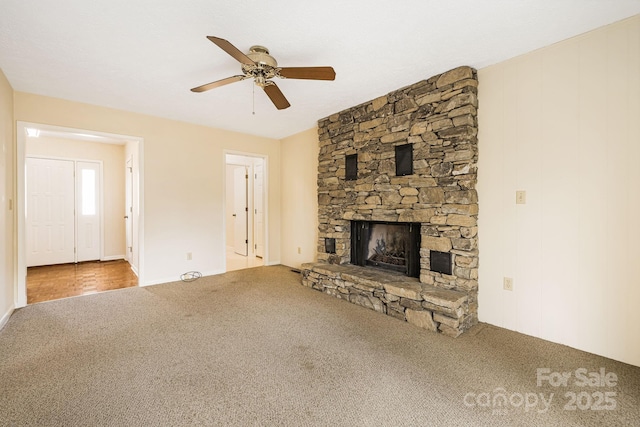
(145, 55)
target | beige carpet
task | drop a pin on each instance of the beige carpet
(254, 347)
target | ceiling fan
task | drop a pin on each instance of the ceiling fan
(262, 67)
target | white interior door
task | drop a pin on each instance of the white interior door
(240, 210)
(49, 212)
(88, 211)
(258, 205)
(128, 214)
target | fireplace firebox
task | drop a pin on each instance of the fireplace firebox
(389, 245)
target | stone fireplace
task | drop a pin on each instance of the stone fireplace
(396, 190)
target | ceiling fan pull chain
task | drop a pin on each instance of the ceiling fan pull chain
(253, 99)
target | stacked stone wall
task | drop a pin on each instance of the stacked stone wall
(438, 117)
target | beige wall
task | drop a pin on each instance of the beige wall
(7, 253)
(183, 170)
(113, 173)
(563, 124)
(300, 198)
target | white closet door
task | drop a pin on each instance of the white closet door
(88, 211)
(49, 212)
(240, 234)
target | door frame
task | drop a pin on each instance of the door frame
(262, 206)
(128, 208)
(265, 162)
(20, 266)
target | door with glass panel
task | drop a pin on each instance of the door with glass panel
(87, 211)
(63, 211)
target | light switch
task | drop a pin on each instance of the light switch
(521, 197)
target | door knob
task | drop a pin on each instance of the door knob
(126, 217)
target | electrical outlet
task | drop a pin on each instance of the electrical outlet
(521, 197)
(189, 256)
(507, 284)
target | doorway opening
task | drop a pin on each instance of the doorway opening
(93, 240)
(245, 211)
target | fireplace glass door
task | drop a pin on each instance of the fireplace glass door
(391, 246)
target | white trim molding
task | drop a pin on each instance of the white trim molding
(5, 318)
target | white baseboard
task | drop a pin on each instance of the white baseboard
(112, 258)
(212, 273)
(6, 316)
(177, 279)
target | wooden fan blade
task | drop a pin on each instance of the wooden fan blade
(276, 96)
(310, 73)
(231, 50)
(218, 83)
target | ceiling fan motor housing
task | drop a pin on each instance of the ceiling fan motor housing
(264, 67)
(260, 55)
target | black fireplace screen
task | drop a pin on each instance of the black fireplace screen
(392, 246)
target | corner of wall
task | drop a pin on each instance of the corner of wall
(7, 193)
(5, 317)
(299, 203)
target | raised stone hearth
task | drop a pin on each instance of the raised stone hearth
(412, 158)
(391, 293)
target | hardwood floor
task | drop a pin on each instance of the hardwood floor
(52, 282)
(239, 262)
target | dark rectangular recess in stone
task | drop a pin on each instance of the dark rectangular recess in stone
(330, 245)
(351, 167)
(404, 159)
(361, 236)
(440, 262)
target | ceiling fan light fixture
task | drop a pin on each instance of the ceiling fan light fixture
(261, 81)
